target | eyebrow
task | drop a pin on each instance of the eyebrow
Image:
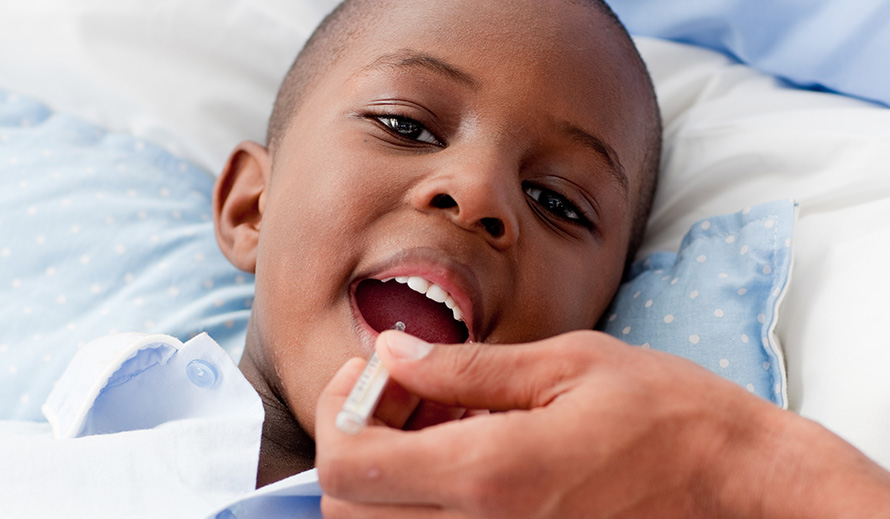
(407, 58)
(616, 169)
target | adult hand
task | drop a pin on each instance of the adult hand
(590, 428)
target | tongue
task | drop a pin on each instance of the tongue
(384, 304)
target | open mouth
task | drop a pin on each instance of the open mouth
(427, 310)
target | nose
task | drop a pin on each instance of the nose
(474, 196)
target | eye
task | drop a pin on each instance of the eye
(409, 129)
(556, 204)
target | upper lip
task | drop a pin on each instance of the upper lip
(436, 267)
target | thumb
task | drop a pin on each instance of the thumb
(482, 376)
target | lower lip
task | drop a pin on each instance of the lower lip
(367, 335)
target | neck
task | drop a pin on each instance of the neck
(285, 449)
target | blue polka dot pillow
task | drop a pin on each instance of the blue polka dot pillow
(100, 232)
(715, 301)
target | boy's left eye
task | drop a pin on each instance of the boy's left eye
(556, 204)
(409, 129)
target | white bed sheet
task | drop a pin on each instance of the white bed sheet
(197, 77)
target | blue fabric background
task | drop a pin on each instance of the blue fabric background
(839, 45)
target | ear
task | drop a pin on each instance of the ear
(239, 199)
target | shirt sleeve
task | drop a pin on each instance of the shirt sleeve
(139, 426)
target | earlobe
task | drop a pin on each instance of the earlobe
(238, 203)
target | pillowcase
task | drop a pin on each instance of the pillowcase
(100, 232)
(715, 302)
(833, 44)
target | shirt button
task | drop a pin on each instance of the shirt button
(201, 373)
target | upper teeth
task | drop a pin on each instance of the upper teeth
(432, 291)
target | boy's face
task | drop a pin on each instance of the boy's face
(491, 148)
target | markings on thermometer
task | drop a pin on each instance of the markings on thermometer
(365, 394)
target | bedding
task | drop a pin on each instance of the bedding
(110, 233)
(194, 78)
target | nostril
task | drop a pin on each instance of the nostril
(443, 201)
(494, 226)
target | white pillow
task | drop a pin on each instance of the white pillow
(196, 77)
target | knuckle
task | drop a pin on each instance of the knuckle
(465, 366)
(582, 342)
(568, 358)
(332, 471)
(583, 348)
(333, 509)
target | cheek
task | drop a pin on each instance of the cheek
(319, 200)
(314, 231)
(573, 295)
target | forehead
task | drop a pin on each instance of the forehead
(558, 58)
(541, 41)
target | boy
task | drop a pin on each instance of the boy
(445, 145)
(498, 156)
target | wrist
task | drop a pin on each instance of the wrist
(785, 466)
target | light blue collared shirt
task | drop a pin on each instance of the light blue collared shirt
(146, 426)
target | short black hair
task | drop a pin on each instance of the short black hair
(341, 27)
(320, 52)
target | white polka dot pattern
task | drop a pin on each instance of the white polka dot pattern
(100, 231)
(715, 301)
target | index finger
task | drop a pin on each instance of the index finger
(496, 377)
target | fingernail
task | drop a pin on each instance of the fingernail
(404, 346)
